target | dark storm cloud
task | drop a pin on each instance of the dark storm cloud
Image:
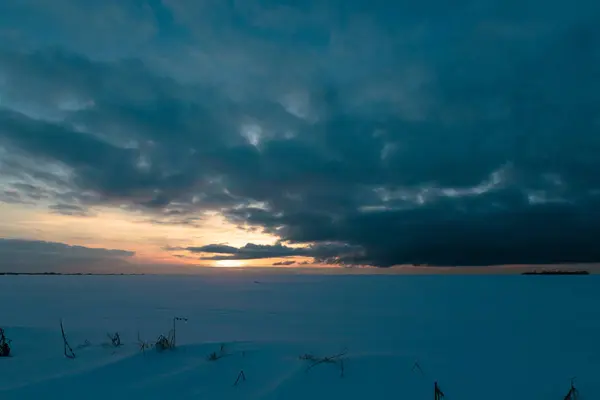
(414, 133)
(320, 252)
(17, 255)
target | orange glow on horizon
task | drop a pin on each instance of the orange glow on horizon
(116, 229)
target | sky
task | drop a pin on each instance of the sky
(189, 133)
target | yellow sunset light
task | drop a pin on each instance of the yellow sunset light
(229, 263)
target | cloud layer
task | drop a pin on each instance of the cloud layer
(420, 134)
(17, 255)
(322, 252)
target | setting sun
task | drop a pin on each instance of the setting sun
(229, 263)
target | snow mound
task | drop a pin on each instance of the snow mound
(478, 337)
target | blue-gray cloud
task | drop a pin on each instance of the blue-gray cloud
(281, 263)
(70, 209)
(19, 255)
(322, 252)
(418, 133)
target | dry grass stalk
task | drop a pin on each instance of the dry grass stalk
(437, 393)
(165, 342)
(143, 344)
(334, 359)
(214, 356)
(168, 342)
(115, 339)
(573, 393)
(4, 344)
(175, 319)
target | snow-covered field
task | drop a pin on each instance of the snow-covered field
(480, 337)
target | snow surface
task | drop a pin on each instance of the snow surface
(480, 337)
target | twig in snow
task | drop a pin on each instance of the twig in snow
(330, 360)
(308, 357)
(115, 339)
(417, 367)
(334, 359)
(241, 376)
(67, 349)
(85, 344)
